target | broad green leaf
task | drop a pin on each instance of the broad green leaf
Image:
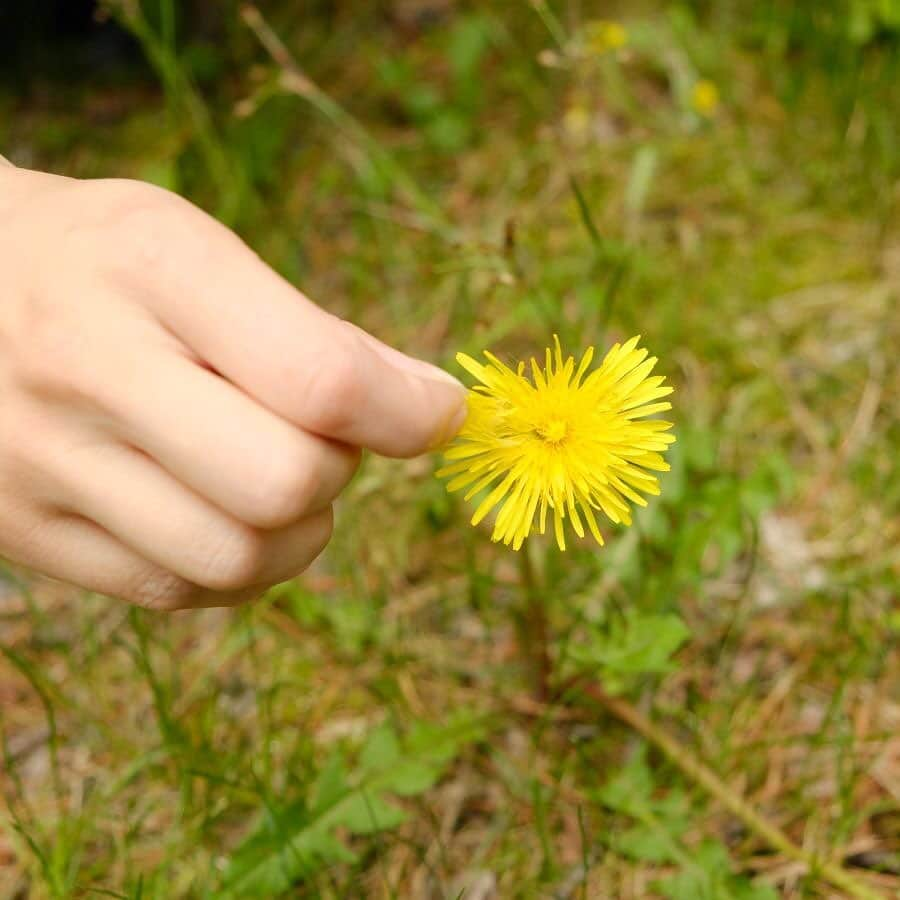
(381, 749)
(367, 812)
(646, 843)
(331, 783)
(280, 853)
(642, 645)
(290, 844)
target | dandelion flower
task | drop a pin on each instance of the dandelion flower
(705, 98)
(563, 444)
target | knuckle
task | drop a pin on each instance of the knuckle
(334, 392)
(55, 358)
(234, 561)
(151, 229)
(284, 490)
(124, 195)
(146, 230)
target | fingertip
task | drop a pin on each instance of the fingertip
(450, 427)
(422, 406)
(429, 414)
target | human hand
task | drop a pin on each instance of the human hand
(175, 418)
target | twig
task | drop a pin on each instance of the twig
(707, 779)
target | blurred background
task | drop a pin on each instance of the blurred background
(720, 177)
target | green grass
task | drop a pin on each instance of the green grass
(376, 729)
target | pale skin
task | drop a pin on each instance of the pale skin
(176, 420)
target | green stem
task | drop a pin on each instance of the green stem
(551, 23)
(714, 785)
(535, 632)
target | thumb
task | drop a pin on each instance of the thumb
(382, 399)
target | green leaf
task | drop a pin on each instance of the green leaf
(331, 783)
(382, 749)
(640, 644)
(630, 791)
(290, 844)
(662, 822)
(709, 877)
(283, 849)
(646, 644)
(645, 843)
(411, 777)
(367, 812)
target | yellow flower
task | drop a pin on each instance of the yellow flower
(705, 97)
(603, 36)
(564, 441)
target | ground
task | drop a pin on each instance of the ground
(706, 707)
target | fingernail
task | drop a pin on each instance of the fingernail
(427, 370)
(450, 427)
(419, 367)
(407, 363)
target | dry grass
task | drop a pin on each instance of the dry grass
(143, 747)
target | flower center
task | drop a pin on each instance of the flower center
(553, 431)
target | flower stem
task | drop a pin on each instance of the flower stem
(707, 779)
(534, 629)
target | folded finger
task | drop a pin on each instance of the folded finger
(79, 552)
(132, 498)
(212, 437)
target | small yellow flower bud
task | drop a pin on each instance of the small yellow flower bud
(603, 36)
(705, 98)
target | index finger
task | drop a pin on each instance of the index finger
(262, 334)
